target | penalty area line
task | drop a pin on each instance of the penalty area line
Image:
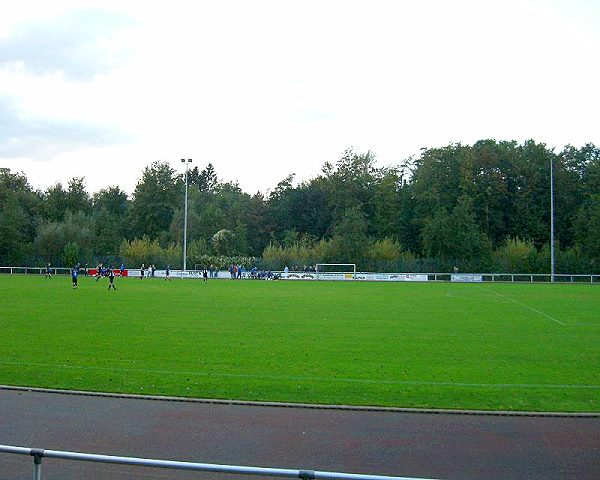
(416, 383)
(525, 306)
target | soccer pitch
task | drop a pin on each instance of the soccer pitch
(444, 345)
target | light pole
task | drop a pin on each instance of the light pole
(183, 160)
(551, 220)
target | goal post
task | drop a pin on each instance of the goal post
(335, 271)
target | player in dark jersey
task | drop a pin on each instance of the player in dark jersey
(111, 278)
(74, 275)
(48, 271)
(168, 273)
(205, 275)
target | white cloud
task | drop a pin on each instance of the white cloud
(265, 88)
(78, 45)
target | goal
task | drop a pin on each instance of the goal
(335, 271)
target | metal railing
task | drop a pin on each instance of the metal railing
(38, 454)
(35, 270)
(520, 277)
(431, 277)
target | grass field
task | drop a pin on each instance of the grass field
(475, 346)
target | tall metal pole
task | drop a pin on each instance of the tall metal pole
(185, 215)
(551, 220)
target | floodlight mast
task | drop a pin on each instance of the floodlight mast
(183, 160)
(551, 220)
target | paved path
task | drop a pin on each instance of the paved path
(409, 444)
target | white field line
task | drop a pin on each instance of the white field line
(525, 306)
(297, 378)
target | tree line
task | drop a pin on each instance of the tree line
(480, 207)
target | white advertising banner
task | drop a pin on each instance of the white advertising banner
(464, 277)
(335, 276)
(163, 274)
(331, 276)
(298, 276)
(392, 277)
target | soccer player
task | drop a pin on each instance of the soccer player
(122, 268)
(48, 271)
(98, 271)
(168, 273)
(205, 275)
(111, 278)
(74, 275)
(142, 270)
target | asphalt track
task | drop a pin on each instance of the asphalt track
(430, 445)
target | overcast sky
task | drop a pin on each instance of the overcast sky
(262, 89)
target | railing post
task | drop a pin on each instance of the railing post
(37, 454)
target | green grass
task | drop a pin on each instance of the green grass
(488, 346)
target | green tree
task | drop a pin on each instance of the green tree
(223, 242)
(110, 212)
(515, 255)
(19, 207)
(112, 199)
(455, 235)
(71, 254)
(144, 250)
(386, 204)
(530, 215)
(156, 197)
(350, 241)
(76, 197)
(258, 226)
(55, 203)
(350, 183)
(205, 180)
(53, 237)
(587, 231)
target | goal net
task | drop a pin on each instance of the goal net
(335, 271)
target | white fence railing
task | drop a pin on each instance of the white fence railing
(34, 270)
(361, 276)
(38, 454)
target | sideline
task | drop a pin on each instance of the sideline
(159, 398)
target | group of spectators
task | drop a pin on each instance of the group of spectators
(236, 271)
(256, 274)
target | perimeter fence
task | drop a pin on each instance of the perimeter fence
(38, 454)
(361, 276)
